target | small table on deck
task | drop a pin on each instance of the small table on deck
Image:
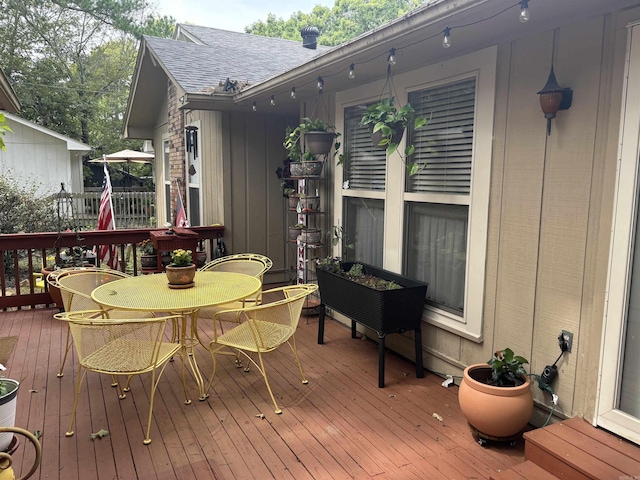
(169, 240)
(150, 293)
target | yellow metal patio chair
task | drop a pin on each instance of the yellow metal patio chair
(75, 289)
(121, 347)
(252, 264)
(262, 329)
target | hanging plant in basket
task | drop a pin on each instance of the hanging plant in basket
(387, 125)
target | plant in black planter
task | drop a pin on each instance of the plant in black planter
(354, 290)
(387, 124)
(496, 397)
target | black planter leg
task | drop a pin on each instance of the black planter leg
(380, 361)
(419, 367)
(353, 329)
(321, 324)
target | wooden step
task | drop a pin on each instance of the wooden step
(577, 450)
(524, 471)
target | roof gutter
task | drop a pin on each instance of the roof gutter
(422, 17)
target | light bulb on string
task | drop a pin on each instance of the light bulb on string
(524, 11)
(320, 84)
(273, 101)
(352, 71)
(446, 41)
(254, 107)
(293, 93)
(392, 57)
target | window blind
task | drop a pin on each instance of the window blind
(445, 144)
(365, 165)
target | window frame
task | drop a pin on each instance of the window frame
(482, 65)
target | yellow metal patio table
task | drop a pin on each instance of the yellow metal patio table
(151, 293)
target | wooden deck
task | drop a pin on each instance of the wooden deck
(339, 426)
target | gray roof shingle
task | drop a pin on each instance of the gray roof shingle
(238, 56)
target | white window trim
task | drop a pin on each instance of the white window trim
(166, 180)
(483, 65)
(621, 251)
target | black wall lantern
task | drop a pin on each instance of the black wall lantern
(553, 97)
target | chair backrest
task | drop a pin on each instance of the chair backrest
(252, 264)
(76, 287)
(123, 346)
(281, 316)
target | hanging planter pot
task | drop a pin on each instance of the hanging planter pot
(377, 137)
(319, 143)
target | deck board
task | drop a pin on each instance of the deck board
(339, 426)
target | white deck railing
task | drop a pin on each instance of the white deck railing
(132, 209)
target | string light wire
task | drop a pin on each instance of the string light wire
(319, 81)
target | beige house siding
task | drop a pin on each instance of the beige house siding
(550, 210)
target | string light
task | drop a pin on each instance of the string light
(524, 11)
(523, 17)
(446, 41)
(392, 57)
(254, 107)
(273, 101)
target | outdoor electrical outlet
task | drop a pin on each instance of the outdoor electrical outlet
(567, 339)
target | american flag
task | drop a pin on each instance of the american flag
(107, 254)
(181, 216)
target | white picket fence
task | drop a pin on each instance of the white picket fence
(132, 209)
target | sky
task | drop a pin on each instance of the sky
(232, 14)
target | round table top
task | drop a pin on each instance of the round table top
(152, 293)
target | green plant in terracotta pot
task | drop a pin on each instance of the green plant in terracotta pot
(496, 397)
(181, 271)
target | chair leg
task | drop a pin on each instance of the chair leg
(66, 352)
(294, 349)
(155, 378)
(215, 366)
(81, 374)
(127, 387)
(266, 381)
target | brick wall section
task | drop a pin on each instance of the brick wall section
(176, 145)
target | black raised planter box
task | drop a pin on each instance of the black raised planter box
(387, 311)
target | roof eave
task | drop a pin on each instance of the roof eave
(8, 98)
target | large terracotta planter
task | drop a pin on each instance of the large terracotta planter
(180, 277)
(497, 412)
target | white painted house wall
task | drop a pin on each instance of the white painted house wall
(38, 155)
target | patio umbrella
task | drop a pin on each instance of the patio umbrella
(125, 156)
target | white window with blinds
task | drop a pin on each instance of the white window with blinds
(445, 144)
(435, 222)
(365, 165)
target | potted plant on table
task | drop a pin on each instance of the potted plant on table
(496, 397)
(181, 271)
(387, 124)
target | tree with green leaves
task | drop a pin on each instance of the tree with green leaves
(70, 63)
(346, 20)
